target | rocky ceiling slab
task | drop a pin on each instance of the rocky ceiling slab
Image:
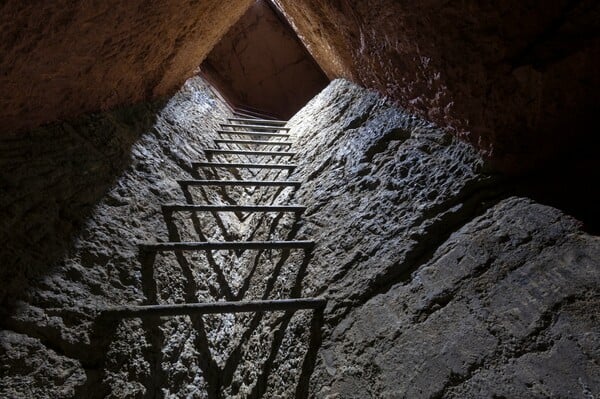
(518, 78)
(63, 58)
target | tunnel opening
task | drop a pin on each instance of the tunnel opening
(261, 67)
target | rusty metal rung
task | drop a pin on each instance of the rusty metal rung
(244, 183)
(261, 127)
(233, 208)
(243, 165)
(223, 245)
(199, 308)
(264, 134)
(248, 152)
(261, 121)
(255, 142)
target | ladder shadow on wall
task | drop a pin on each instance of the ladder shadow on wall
(271, 193)
(216, 377)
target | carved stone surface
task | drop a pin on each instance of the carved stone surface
(61, 58)
(518, 79)
(440, 281)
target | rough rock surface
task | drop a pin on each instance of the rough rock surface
(52, 354)
(51, 343)
(51, 178)
(518, 79)
(440, 282)
(261, 63)
(507, 307)
(63, 58)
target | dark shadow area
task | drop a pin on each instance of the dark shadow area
(570, 182)
(93, 361)
(50, 180)
(209, 367)
(152, 325)
(310, 359)
(91, 356)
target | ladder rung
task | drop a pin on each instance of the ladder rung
(250, 115)
(272, 305)
(255, 142)
(263, 134)
(261, 127)
(234, 208)
(245, 183)
(263, 121)
(247, 152)
(223, 245)
(242, 165)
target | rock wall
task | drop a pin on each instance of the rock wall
(102, 179)
(61, 58)
(518, 79)
(51, 179)
(51, 343)
(260, 63)
(440, 281)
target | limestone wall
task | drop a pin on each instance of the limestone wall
(441, 281)
(61, 59)
(517, 79)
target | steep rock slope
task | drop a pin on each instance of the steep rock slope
(440, 283)
(51, 342)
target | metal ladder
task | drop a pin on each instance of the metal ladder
(253, 128)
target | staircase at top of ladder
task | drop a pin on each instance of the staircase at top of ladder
(258, 145)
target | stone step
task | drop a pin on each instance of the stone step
(233, 208)
(222, 245)
(248, 152)
(242, 183)
(199, 308)
(255, 142)
(258, 121)
(243, 165)
(263, 134)
(261, 127)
